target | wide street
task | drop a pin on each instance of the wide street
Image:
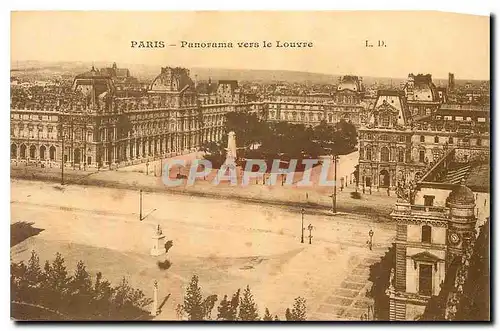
(228, 244)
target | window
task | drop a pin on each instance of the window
(425, 279)
(459, 118)
(436, 139)
(368, 153)
(428, 200)
(478, 142)
(401, 155)
(481, 119)
(450, 140)
(421, 156)
(384, 154)
(422, 139)
(384, 119)
(401, 139)
(426, 232)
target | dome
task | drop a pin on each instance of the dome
(350, 83)
(461, 195)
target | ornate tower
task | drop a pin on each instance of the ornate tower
(462, 222)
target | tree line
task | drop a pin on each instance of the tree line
(58, 294)
(260, 139)
(240, 306)
(73, 296)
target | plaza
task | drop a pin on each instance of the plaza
(228, 243)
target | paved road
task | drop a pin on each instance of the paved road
(229, 244)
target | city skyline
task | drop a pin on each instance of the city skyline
(461, 41)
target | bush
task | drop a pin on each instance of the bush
(355, 195)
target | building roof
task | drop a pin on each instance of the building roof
(452, 171)
(461, 195)
(352, 83)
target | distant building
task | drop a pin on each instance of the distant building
(348, 103)
(451, 81)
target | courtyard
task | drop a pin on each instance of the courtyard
(228, 243)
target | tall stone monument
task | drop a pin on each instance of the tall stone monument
(154, 306)
(231, 150)
(158, 243)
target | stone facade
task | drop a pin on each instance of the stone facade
(408, 131)
(97, 125)
(435, 230)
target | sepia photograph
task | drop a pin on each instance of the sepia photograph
(271, 166)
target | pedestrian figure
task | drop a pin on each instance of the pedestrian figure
(370, 241)
(388, 192)
(370, 190)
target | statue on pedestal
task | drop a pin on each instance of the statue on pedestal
(158, 243)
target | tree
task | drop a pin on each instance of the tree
(208, 305)
(299, 309)
(193, 304)
(338, 139)
(288, 315)
(233, 307)
(80, 290)
(223, 309)
(248, 308)
(267, 315)
(276, 318)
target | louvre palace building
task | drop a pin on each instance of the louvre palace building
(107, 119)
(103, 121)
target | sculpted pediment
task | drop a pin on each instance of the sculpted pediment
(385, 106)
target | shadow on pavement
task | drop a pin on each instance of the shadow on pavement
(21, 231)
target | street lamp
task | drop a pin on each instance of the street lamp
(302, 227)
(310, 227)
(334, 195)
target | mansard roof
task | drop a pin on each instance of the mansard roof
(172, 80)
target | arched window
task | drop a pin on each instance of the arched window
(450, 140)
(436, 139)
(421, 155)
(13, 151)
(384, 154)
(32, 151)
(426, 234)
(422, 139)
(401, 155)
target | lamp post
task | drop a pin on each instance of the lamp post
(302, 227)
(140, 205)
(310, 227)
(334, 195)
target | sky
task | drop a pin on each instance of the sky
(417, 42)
